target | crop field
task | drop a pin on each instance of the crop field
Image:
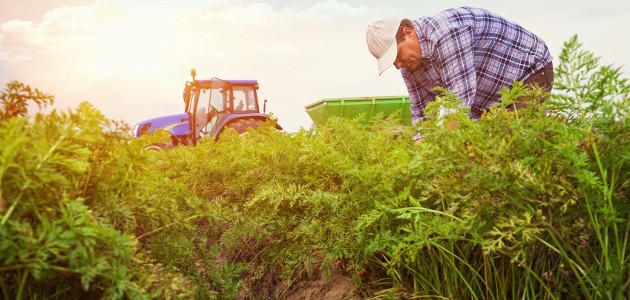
(527, 204)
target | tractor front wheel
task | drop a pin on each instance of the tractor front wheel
(158, 147)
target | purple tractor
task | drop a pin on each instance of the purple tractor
(210, 107)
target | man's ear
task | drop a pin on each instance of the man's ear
(409, 32)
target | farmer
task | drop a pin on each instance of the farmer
(471, 52)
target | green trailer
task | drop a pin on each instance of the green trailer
(369, 107)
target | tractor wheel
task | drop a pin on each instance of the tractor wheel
(241, 125)
(158, 147)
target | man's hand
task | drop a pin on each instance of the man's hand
(417, 138)
(452, 124)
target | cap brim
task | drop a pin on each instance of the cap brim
(388, 59)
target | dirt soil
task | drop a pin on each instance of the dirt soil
(336, 287)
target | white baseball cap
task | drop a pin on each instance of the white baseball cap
(381, 41)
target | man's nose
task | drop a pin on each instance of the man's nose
(397, 64)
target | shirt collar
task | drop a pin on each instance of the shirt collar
(427, 50)
(424, 45)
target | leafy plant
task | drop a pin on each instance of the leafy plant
(52, 236)
(527, 204)
(15, 99)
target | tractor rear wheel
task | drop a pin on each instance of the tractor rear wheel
(241, 125)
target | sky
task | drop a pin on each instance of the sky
(131, 58)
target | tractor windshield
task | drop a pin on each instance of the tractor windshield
(214, 98)
(214, 101)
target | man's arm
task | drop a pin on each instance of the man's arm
(418, 98)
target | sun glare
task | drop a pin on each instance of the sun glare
(128, 47)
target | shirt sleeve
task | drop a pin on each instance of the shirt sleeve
(455, 60)
(418, 98)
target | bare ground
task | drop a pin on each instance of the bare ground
(335, 287)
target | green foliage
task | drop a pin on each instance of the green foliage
(586, 92)
(527, 204)
(54, 240)
(15, 99)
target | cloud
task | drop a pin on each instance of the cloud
(280, 49)
(18, 38)
(244, 15)
(131, 57)
(77, 19)
(143, 32)
(62, 31)
(333, 8)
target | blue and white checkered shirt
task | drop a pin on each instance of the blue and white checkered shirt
(474, 54)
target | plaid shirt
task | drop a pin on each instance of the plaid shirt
(474, 54)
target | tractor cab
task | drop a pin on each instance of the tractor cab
(218, 103)
(216, 98)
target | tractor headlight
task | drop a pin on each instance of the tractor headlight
(139, 130)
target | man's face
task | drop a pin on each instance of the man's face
(409, 52)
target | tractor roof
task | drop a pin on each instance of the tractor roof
(216, 83)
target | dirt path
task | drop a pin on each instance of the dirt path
(337, 287)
